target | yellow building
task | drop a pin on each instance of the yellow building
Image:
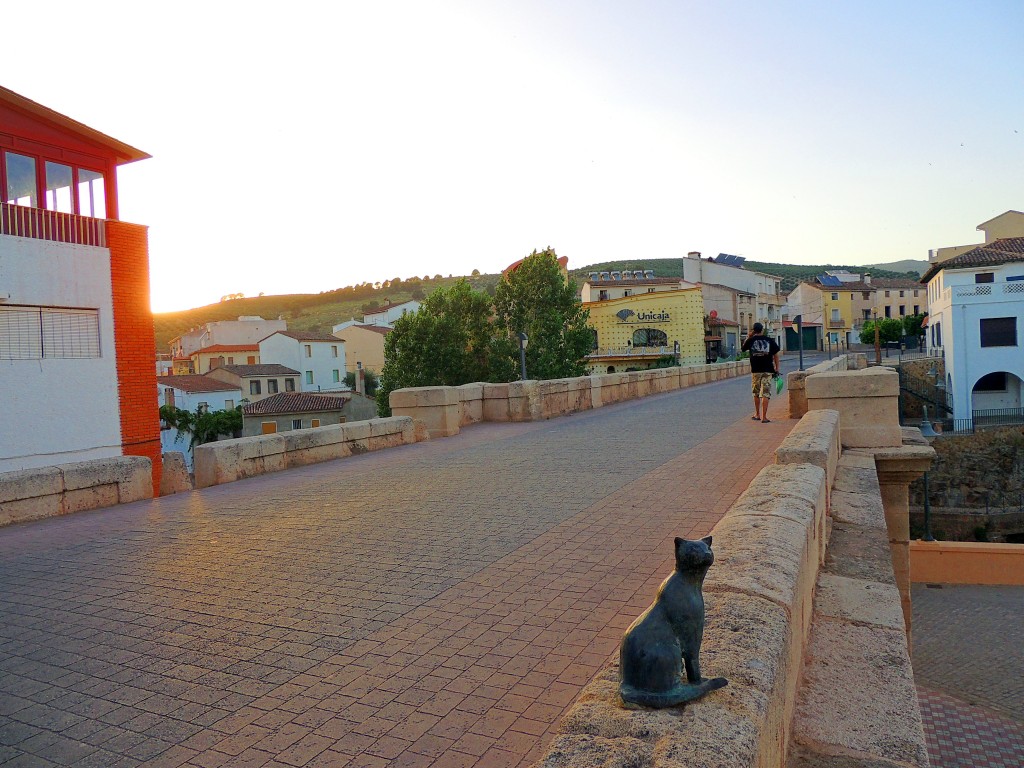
(637, 321)
(364, 344)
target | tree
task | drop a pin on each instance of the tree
(912, 324)
(475, 273)
(205, 426)
(450, 340)
(370, 380)
(535, 298)
(889, 329)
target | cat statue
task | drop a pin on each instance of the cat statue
(666, 637)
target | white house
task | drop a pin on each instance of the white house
(318, 357)
(246, 330)
(976, 302)
(192, 393)
(387, 314)
(759, 296)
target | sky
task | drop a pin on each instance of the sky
(302, 147)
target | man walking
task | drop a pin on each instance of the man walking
(764, 367)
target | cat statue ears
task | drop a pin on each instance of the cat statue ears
(680, 542)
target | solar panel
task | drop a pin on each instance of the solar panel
(829, 281)
(729, 260)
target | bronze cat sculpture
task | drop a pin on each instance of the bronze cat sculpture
(665, 639)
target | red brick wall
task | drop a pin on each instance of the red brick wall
(133, 343)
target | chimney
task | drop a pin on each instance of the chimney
(867, 278)
(693, 255)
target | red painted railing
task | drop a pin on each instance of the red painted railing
(40, 224)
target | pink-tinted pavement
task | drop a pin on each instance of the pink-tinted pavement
(436, 605)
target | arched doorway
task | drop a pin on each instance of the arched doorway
(997, 397)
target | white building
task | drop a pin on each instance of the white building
(76, 332)
(318, 357)
(192, 393)
(759, 297)
(976, 302)
(387, 314)
(246, 330)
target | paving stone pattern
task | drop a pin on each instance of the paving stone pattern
(439, 604)
(969, 669)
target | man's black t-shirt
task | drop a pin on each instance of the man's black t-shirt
(762, 353)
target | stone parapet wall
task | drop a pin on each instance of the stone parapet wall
(443, 411)
(228, 460)
(781, 606)
(853, 361)
(31, 494)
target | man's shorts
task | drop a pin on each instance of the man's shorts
(761, 385)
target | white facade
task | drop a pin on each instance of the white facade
(387, 315)
(763, 291)
(247, 329)
(958, 304)
(58, 409)
(320, 363)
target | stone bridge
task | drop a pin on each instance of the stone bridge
(436, 604)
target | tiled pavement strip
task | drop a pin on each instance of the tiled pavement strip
(969, 667)
(438, 604)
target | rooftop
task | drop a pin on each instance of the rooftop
(296, 402)
(1005, 251)
(305, 336)
(264, 369)
(227, 348)
(195, 383)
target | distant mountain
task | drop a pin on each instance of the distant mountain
(907, 265)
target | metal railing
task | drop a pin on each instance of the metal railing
(40, 224)
(920, 354)
(931, 393)
(986, 418)
(836, 324)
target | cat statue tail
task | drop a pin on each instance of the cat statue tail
(678, 694)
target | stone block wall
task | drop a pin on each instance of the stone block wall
(32, 494)
(442, 411)
(228, 460)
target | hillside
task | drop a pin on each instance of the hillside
(791, 274)
(321, 311)
(306, 311)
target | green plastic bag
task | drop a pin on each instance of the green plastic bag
(778, 384)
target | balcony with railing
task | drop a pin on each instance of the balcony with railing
(988, 292)
(836, 323)
(40, 224)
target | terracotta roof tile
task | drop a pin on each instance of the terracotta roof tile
(263, 369)
(195, 383)
(305, 336)
(296, 402)
(228, 348)
(1004, 251)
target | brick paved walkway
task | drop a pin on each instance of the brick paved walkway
(434, 605)
(969, 667)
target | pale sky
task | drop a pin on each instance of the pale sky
(300, 147)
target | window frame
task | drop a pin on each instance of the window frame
(997, 336)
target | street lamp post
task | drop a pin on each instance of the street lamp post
(523, 341)
(878, 339)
